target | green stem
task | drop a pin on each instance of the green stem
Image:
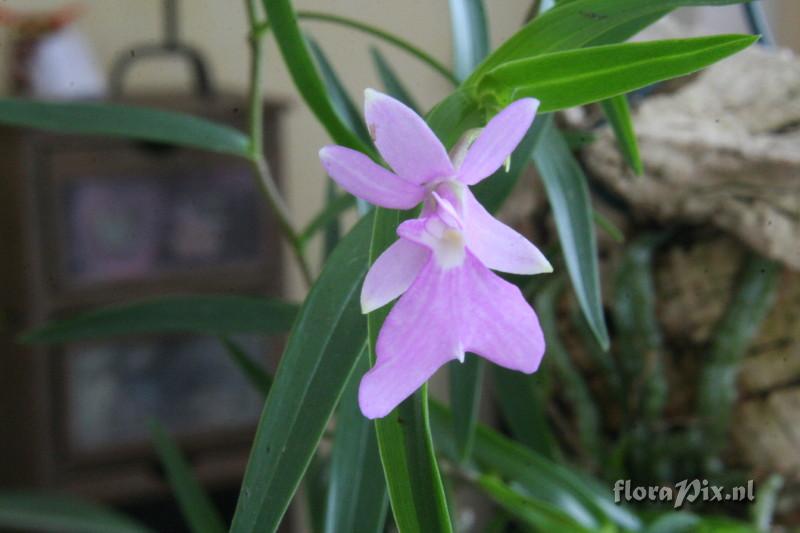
(375, 32)
(266, 183)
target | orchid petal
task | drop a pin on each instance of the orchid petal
(497, 140)
(445, 313)
(498, 246)
(420, 334)
(404, 140)
(392, 274)
(500, 325)
(362, 177)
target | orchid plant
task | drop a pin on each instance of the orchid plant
(426, 238)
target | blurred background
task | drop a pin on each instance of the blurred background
(86, 223)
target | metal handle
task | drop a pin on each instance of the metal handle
(170, 46)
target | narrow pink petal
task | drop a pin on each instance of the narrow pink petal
(360, 176)
(497, 140)
(404, 140)
(420, 335)
(392, 274)
(500, 325)
(498, 246)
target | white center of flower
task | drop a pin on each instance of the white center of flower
(449, 248)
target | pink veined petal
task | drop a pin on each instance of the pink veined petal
(445, 313)
(392, 274)
(362, 177)
(497, 140)
(404, 140)
(499, 325)
(420, 334)
(498, 246)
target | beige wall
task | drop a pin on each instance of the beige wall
(217, 27)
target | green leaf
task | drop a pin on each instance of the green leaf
(254, 373)
(674, 522)
(575, 387)
(315, 483)
(685, 522)
(618, 113)
(297, 59)
(333, 228)
(341, 101)
(541, 515)
(470, 35)
(61, 514)
(333, 209)
(213, 315)
(385, 36)
(523, 405)
(582, 22)
(736, 330)
(391, 82)
(606, 225)
(412, 474)
(581, 498)
(453, 116)
(638, 333)
(357, 499)
(763, 509)
(568, 194)
(320, 355)
(196, 506)
(139, 123)
(466, 380)
(493, 191)
(575, 77)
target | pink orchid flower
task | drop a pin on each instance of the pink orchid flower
(451, 303)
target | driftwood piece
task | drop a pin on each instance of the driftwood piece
(724, 150)
(695, 284)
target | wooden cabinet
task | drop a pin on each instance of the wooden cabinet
(93, 221)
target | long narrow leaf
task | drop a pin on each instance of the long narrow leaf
(140, 123)
(333, 227)
(391, 82)
(470, 35)
(543, 516)
(736, 330)
(333, 209)
(618, 113)
(638, 334)
(581, 498)
(384, 36)
(412, 474)
(524, 408)
(357, 499)
(494, 190)
(298, 60)
(341, 101)
(196, 506)
(575, 387)
(320, 355)
(254, 373)
(61, 514)
(582, 22)
(213, 315)
(568, 193)
(466, 380)
(576, 77)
